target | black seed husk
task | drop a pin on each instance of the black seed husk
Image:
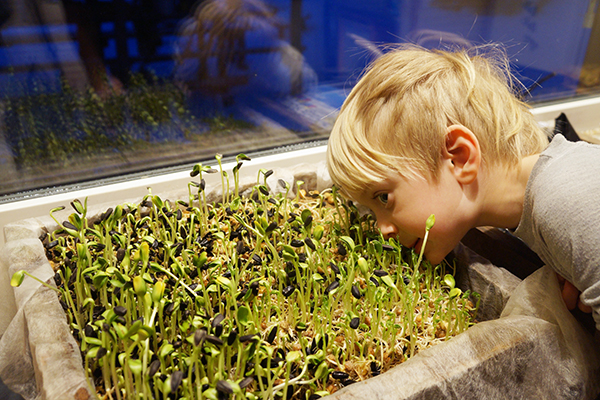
(247, 338)
(101, 352)
(374, 280)
(334, 285)
(214, 340)
(241, 294)
(217, 320)
(176, 379)
(271, 227)
(375, 369)
(310, 243)
(231, 338)
(218, 330)
(120, 254)
(334, 267)
(120, 311)
(287, 291)
(387, 247)
(341, 250)
(339, 375)
(296, 243)
(354, 322)
(272, 335)
(246, 381)
(239, 247)
(224, 387)
(154, 366)
(308, 221)
(199, 336)
(106, 214)
(88, 330)
(380, 272)
(355, 292)
(69, 225)
(272, 364)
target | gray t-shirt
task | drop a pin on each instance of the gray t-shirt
(561, 215)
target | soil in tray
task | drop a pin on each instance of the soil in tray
(262, 296)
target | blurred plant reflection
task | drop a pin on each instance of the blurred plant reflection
(95, 89)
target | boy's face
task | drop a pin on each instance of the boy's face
(402, 207)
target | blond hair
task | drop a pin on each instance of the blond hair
(396, 116)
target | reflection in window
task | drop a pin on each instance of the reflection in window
(91, 89)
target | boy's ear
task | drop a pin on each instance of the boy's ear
(463, 152)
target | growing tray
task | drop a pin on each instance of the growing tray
(525, 345)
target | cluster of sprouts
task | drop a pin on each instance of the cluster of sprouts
(289, 296)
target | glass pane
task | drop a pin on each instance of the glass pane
(92, 89)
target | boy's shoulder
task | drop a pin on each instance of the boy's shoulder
(570, 160)
(566, 171)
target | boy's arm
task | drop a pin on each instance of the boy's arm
(561, 217)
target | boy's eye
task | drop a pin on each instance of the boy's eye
(383, 198)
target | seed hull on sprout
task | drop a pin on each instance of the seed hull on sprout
(253, 297)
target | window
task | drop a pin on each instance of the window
(106, 89)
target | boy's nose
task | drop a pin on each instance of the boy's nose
(387, 230)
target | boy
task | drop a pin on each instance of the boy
(435, 132)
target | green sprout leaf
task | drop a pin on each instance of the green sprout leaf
(135, 366)
(200, 260)
(139, 285)
(322, 370)
(306, 217)
(223, 281)
(243, 315)
(347, 240)
(455, 292)
(293, 356)
(387, 279)
(318, 232)
(449, 280)
(17, 278)
(241, 157)
(363, 265)
(430, 222)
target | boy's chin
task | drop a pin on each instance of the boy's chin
(436, 252)
(434, 260)
(435, 257)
